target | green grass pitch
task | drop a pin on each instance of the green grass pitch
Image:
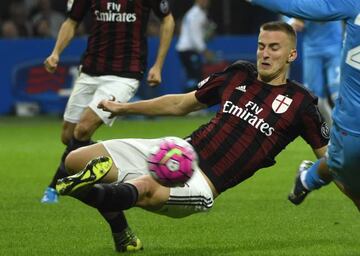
(253, 218)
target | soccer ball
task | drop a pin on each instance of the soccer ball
(171, 164)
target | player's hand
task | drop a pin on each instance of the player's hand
(114, 108)
(154, 76)
(51, 63)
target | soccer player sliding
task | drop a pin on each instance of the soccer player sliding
(260, 113)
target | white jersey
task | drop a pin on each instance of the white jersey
(193, 29)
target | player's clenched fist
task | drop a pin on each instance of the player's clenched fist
(51, 63)
(154, 76)
(115, 108)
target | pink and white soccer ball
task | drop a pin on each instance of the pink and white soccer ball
(171, 164)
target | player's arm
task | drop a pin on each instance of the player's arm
(314, 129)
(320, 10)
(66, 33)
(167, 105)
(166, 32)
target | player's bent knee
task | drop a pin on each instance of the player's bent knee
(67, 132)
(82, 131)
(66, 137)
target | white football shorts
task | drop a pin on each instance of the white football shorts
(129, 156)
(88, 91)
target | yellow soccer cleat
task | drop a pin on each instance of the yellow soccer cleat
(94, 171)
(127, 241)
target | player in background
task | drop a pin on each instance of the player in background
(195, 30)
(343, 156)
(112, 65)
(260, 113)
(322, 43)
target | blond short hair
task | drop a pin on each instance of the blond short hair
(283, 27)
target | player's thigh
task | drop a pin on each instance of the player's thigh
(313, 75)
(119, 89)
(77, 160)
(130, 156)
(194, 197)
(344, 159)
(80, 98)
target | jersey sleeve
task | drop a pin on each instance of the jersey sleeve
(161, 8)
(209, 89)
(315, 131)
(320, 10)
(77, 9)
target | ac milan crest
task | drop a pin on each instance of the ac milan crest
(281, 103)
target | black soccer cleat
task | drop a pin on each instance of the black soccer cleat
(299, 192)
(94, 171)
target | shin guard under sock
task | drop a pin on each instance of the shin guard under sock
(111, 197)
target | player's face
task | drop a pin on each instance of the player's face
(274, 53)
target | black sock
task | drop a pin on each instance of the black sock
(116, 220)
(111, 197)
(61, 171)
(75, 143)
(59, 174)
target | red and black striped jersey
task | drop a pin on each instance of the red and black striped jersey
(256, 121)
(117, 44)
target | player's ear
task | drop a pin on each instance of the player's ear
(292, 56)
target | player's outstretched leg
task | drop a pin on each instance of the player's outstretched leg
(299, 192)
(310, 176)
(127, 241)
(94, 171)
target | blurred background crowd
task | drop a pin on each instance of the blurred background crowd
(229, 34)
(43, 18)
